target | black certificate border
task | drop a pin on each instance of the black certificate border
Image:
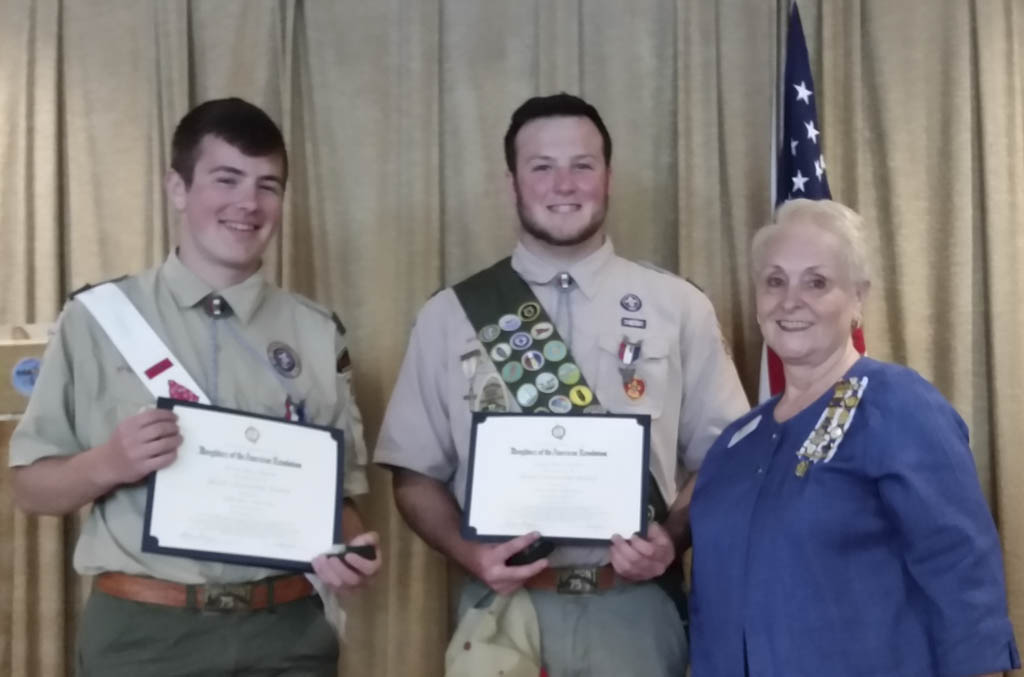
(151, 543)
(470, 533)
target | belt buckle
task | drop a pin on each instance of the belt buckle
(227, 598)
(577, 581)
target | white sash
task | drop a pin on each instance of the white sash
(151, 360)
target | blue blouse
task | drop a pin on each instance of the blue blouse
(882, 562)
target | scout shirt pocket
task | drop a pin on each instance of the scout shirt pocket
(644, 392)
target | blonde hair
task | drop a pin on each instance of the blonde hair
(830, 216)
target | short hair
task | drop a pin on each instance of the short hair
(241, 124)
(830, 216)
(559, 105)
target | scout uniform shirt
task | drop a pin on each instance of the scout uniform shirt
(688, 383)
(270, 352)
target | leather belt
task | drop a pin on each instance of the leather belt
(226, 597)
(575, 580)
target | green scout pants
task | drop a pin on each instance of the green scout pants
(120, 637)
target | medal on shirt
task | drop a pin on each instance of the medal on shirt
(629, 353)
(823, 441)
(294, 410)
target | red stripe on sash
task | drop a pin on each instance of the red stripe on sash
(159, 368)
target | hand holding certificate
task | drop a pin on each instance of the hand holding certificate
(246, 489)
(573, 478)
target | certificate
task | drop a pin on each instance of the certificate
(246, 489)
(573, 478)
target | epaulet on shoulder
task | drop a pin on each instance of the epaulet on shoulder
(87, 287)
(656, 268)
(659, 269)
(320, 309)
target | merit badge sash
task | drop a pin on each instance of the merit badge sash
(523, 344)
(521, 341)
(144, 351)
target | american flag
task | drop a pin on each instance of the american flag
(801, 163)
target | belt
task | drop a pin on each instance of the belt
(228, 597)
(575, 580)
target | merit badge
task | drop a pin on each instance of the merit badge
(542, 330)
(595, 409)
(560, 404)
(529, 311)
(635, 388)
(521, 340)
(294, 411)
(509, 322)
(24, 375)
(631, 302)
(581, 395)
(492, 396)
(541, 410)
(526, 395)
(489, 333)
(176, 391)
(634, 322)
(283, 359)
(500, 352)
(569, 374)
(512, 372)
(555, 351)
(546, 382)
(533, 360)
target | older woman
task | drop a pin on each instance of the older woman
(839, 529)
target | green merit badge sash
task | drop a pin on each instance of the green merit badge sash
(534, 362)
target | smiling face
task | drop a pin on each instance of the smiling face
(807, 299)
(561, 181)
(230, 211)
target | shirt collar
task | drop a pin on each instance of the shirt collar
(188, 289)
(540, 269)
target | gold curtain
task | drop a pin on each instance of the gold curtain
(394, 112)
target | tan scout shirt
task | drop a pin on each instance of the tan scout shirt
(85, 388)
(692, 389)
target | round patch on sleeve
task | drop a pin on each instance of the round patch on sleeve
(24, 375)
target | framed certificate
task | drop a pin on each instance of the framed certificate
(246, 489)
(575, 478)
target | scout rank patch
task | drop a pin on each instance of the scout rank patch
(531, 363)
(822, 443)
(284, 359)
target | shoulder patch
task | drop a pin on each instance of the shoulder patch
(344, 362)
(311, 304)
(87, 287)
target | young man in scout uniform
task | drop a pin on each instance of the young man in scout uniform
(584, 331)
(91, 434)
